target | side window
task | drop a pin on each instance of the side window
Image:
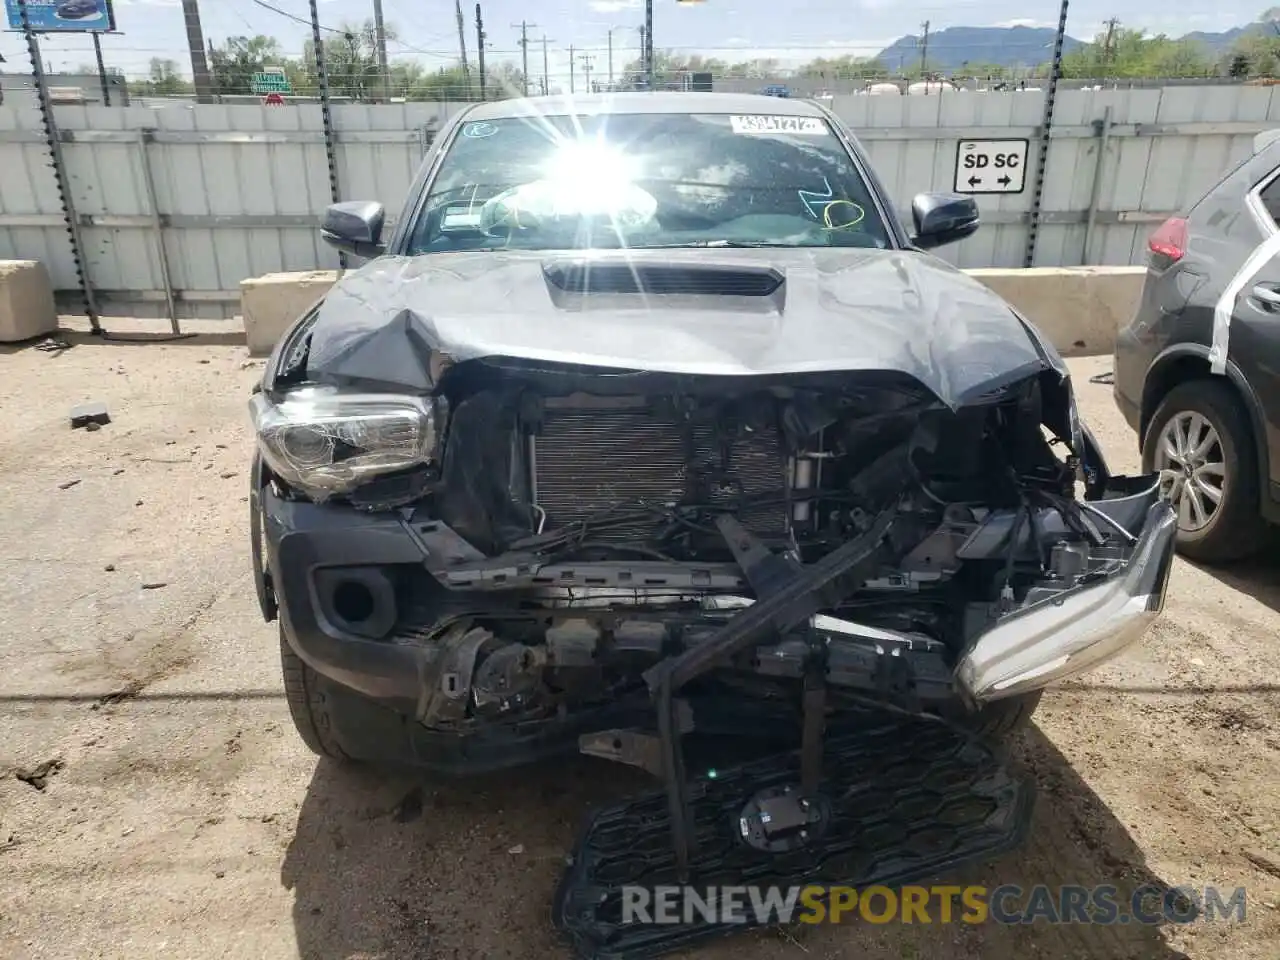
(1270, 197)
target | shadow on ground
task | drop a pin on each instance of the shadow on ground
(385, 867)
(62, 340)
(1257, 577)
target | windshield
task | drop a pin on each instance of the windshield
(647, 180)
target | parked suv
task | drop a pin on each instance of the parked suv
(1196, 371)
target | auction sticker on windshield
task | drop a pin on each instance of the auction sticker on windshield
(777, 125)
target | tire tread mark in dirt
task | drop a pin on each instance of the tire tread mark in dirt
(173, 663)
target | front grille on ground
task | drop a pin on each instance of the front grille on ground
(898, 815)
(590, 460)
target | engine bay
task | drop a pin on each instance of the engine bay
(591, 526)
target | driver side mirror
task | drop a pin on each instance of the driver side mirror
(355, 226)
(942, 218)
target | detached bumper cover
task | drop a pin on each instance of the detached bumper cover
(1078, 630)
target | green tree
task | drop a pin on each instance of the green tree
(1254, 55)
(669, 68)
(405, 76)
(502, 80)
(844, 68)
(983, 71)
(236, 61)
(1132, 54)
(761, 68)
(351, 60)
(163, 80)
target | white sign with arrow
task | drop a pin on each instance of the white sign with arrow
(991, 166)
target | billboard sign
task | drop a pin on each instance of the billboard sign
(63, 16)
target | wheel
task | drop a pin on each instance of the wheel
(309, 704)
(1003, 718)
(1201, 432)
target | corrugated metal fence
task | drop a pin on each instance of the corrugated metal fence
(213, 194)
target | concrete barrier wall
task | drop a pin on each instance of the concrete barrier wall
(26, 301)
(1079, 309)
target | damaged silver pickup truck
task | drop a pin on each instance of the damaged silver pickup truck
(652, 433)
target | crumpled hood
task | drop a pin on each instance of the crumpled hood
(837, 310)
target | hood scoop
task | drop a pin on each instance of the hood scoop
(690, 279)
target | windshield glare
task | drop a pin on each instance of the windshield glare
(647, 180)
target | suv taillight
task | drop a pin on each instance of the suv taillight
(1169, 242)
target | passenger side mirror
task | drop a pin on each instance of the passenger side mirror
(355, 226)
(942, 218)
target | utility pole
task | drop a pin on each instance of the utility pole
(644, 52)
(546, 80)
(924, 55)
(524, 51)
(462, 41)
(648, 41)
(611, 59)
(480, 50)
(571, 68)
(380, 35)
(1106, 44)
(195, 41)
(586, 59)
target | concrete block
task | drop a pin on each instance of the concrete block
(1079, 309)
(26, 301)
(271, 303)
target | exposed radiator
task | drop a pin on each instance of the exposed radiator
(600, 455)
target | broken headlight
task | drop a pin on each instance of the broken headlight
(324, 442)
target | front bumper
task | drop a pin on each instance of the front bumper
(1062, 637)
(1075, 631)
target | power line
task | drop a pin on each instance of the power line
(302, 20)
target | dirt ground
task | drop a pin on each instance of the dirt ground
(183, 817)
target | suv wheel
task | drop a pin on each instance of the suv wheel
(1201, 433)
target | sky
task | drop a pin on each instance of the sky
(792, 31)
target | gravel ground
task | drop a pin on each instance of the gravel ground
(182, 817)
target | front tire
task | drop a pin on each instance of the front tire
(1001, 719)
(310, 706)
(1201, 432)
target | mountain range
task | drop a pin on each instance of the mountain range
(1016, 46)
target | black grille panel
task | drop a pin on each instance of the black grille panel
(593, 459)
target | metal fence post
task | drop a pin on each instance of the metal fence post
(157, 225)
(54, 142)
(1102, 129)
(326, 114)
(1046, 126)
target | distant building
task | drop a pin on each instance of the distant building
(14, 86)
